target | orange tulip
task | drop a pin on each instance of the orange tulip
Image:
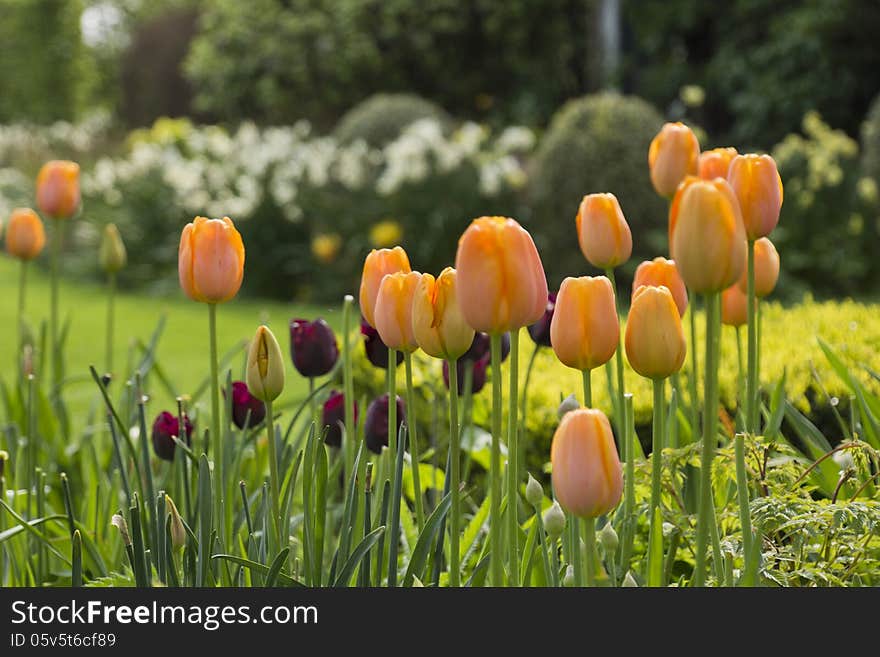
(708, 240)
(210, 260)
(585, 330)
(758, 187)
(766, 269)
(674, 154)
(587, 477)
(58, 189)
(655, 346)
(377, 264)
(716, 163)
(438, 324)
(25, 237)
(603, 233)
(393, 311)
(661, 271)
(501, 281)
(734, 307)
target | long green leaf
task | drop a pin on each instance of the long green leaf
(360, 553)
(205, 523)
(258, 567)
(275, 568)
(426, 538)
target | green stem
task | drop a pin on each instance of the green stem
(392, 410)
(586, 375)
(55, 257)
(22, 298)
(629, 489)
(574, 539)
(742, 494)
(111, 302)
(752, 376)
(348, 385)
(740, 381)
(695, 375)
(275, 487)
(619, 355)
(542, 537)
(710, 430)
(590, 540)
(525, 391)
(758, 318)
(656, 452)
(454, 477)
(216, 440)
(413, 441)
(512, 465)
(496, 569)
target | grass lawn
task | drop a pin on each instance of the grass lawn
(183, 347)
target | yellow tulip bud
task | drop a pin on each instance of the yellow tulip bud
(376, 266)
(501, 281)
(585, 330)
(655, 345)
(25, 237)
(587, 476)
(758, 187)
(734, 307)
(673, 154)
(661, 271)
(603, 234)
(265, 366)
(394, 308)
(178, 532)
(111, 253)
(210, 260)
(438, 325)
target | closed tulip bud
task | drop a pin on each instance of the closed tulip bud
(481, 347)
(674, 153)
(629, 582)
(587, 477)
(25, 237)
(333, 418)
(111, 253)
(376, 350)
(478, 373)
(766, 269)
(265, 366)
(501, 281)
(554, 520)
(244, 403)
(758, 187)
(708, 241)
(210, 260)
(585, 329)
(540, 330)
(534, 491)
(655, 345)
(716, 163)
(734, 307)
(661, 271)
(603, 234)
(393, 311)
(568, 405)
(118, 521)
(4, 456)
(58, 189)
(165, 426)
(437, 322)
(377, 264)
(376, 423)
(568, 577)
(178, 533)
(608, 538)
(313, 347)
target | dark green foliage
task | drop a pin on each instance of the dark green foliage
(871, 142)
(380, 118)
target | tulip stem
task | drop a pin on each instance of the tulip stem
(525, 391)
(111, 302)
(706, 515)
(273, 476)
(512, 465)
(752, 380)
(588, 388)
(619, 355)
(348, 386)
(695, 401)
(742, 494)
(454, 476)
(216, 441)
(496, 568)
(22, 299)
(574, 539)
(590, 540)
(413, 441)
(57, 237)
(656, 454)
(629, 488)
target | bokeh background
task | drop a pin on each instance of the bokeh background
(327, 127)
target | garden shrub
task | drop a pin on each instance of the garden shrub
(382, 117)
(597, 143)
(871, 142)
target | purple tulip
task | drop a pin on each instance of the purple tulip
(376, 425)
(313, 347)
(377, 351)
(165, 426)
(242, 402)
(333, 418)
(461, 365)
(540, 330)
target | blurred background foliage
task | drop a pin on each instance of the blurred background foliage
(325, 127)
